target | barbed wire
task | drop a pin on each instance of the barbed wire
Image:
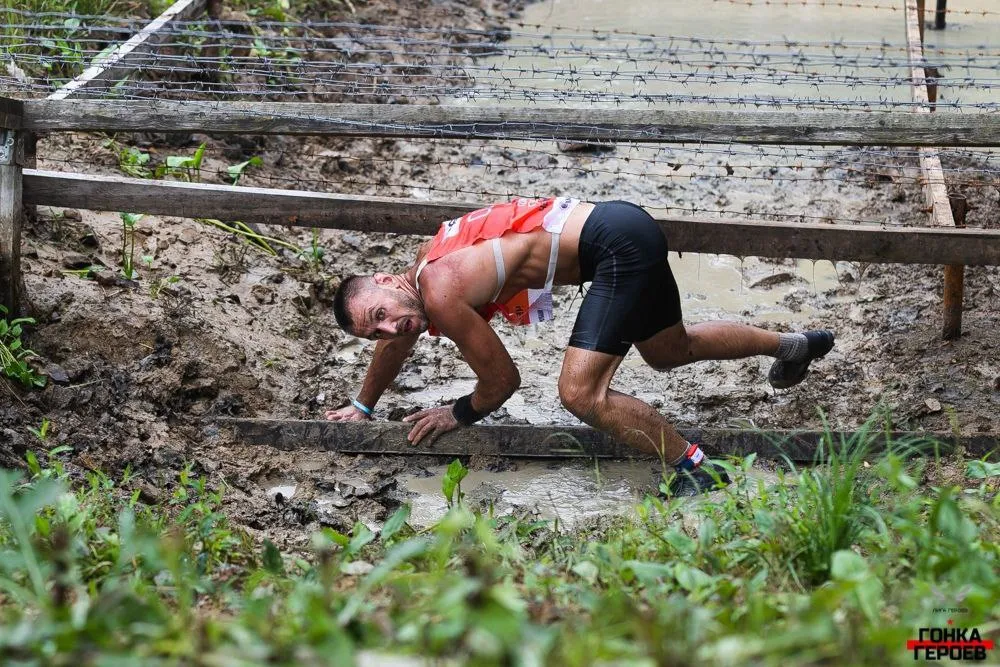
(874, 167)
(511, 28)
(287, 60)
(291, 66)
(854, 4)
(538, 43)
(384, 186)
(864, 168)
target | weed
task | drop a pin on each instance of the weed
(14, 356)
(186, 167)
(42, 432)
(131, 160)
(236, 171)
(157, 286)
(451, 483)
(88, 570)
(314, 253)
(129, 221)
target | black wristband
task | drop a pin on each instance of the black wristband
(464, 413)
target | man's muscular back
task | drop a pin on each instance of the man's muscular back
(470, 273)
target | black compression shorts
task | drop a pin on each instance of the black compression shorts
(633, 295)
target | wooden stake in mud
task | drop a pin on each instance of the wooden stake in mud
(935, 188)
(11, 163)
(954, 278)
(942, 9)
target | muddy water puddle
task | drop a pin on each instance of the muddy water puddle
(570, 491)
(711, 284)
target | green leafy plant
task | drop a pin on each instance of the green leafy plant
(14, 356)
(157, 286)
(236, 171)
(88, 569)
(183, 166)
(451, 483)
(129, 221)
(314, 252)
(131, 160)
(42, 432)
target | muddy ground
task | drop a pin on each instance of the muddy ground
(216, 327)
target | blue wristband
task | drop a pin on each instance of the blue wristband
(361, 406)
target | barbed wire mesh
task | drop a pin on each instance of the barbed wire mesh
(336, 61)
(783, 183)
(203, 62)
(856, 4)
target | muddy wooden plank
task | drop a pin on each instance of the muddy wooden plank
(861, 243)
(556, 441)
(139, 49)
(556, 123)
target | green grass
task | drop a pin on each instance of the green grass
(834, 564)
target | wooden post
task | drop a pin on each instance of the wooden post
(942, 9)
(921, 7)
(11, 162)
(935, 187)
(954, 278)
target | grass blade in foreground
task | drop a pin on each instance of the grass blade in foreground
(839, 563)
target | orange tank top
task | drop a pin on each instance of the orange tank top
(489, 224)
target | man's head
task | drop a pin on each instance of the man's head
(379, 306)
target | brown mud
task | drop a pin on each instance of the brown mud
(216, 327)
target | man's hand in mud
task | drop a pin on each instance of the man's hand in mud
(348, 413)
(430, 424)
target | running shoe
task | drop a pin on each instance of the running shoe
(697, 481)
(785, 374)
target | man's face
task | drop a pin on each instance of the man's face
(386, 311)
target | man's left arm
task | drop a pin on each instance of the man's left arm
(483, 350)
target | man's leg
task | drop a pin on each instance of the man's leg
(584, 389)
(679, 345)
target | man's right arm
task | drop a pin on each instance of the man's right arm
(385, 366)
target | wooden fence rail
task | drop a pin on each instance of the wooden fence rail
(388, 120)
(861, 243)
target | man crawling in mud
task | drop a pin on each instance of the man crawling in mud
(505, 259)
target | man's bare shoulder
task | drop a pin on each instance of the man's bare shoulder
(440, 284)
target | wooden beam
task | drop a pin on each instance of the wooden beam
(593, 124)
(935, 188)
(389, 438)
(108, 68)
(11, 112)
(11, 214)
(860, 243)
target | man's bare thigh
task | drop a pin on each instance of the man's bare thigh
(669, 348)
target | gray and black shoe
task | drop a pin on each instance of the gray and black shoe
(697, 481)
(785, 374)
